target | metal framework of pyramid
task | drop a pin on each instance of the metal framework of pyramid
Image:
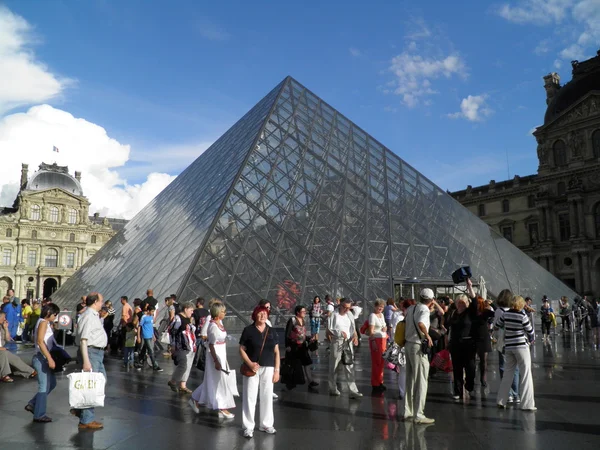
(294, 201)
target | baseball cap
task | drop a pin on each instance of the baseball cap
(426, 293)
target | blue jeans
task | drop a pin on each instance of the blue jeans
(514, 388)
(315, 326)
(128, 355)
(46, 383)
(147, 347)
(96, 356)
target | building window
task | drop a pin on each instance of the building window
(51, 258)
(35, 212)
(507, 233)
(93, 239)
(70, 260)
(505, 206)
(533, 233)
(561, 188)
(531, 201)
(54, 214)
(596, 143)
(34, 234)
(32, 258)
(72, 237)
(9, 232)
(6, 256)
(564, 226)
(72, 216)
(560, 154)
(481, 210)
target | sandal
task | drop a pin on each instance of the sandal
(44, 419)
(33, 374)
(185, 390)
(7, 379)
(29, 408)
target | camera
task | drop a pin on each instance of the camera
(461, 275)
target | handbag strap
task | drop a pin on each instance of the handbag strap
(263, 344)
(415, 322)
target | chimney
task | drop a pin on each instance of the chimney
(78, 176)
(552, 85)
(24, 171)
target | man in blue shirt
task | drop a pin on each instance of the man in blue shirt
(146, 337)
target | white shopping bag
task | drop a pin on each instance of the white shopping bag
(86, 389)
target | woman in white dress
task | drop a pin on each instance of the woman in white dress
(215, 391)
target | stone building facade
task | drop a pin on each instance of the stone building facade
(48, 234)
(554, 215)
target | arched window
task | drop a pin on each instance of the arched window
(9, 232)
(34, 234)
(597, 219)
(72, 216)
(93, 239)
(561, 188)
(560, 154)
(54, 214)
(505, 206)
(51, 258)
(596, 143)
(35, 212)
(72, 237)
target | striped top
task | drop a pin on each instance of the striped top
(517, 329)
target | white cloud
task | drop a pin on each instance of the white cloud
(578, 20)
(543, 47)
(473, 108)
(541, 12)
(23, 79)
(355, 52)
(28, 137)
(413, 74)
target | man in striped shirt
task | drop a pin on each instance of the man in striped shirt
(518, 334)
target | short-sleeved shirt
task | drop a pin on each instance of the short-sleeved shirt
(127, 313)
(252, 340)
(147, 325)
(416, 314)
(200, 315)
(380, 327)
(90, 328)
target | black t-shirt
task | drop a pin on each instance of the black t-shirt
(150, 301)
(79, 307)
(252, 339)
(200, 315)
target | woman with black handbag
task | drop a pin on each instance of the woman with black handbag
(297, 362)
(259, 350)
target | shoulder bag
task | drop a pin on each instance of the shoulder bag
(424, 342)
(245, 370)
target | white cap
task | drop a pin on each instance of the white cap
(426, 294)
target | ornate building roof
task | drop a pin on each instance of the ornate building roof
(54, 176)
(586, 78)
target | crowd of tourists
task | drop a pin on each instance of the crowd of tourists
(413, 339)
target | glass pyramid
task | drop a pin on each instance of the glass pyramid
(294, 201)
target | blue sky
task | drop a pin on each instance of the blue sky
(168, 78)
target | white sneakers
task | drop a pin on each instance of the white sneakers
(424, 421)
(248, 433)
(268, 430)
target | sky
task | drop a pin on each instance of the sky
(131, 92)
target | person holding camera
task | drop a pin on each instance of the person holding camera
(418, 343)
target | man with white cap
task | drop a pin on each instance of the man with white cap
(417, 363)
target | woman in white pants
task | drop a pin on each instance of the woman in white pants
(259, 350)
(518, 333)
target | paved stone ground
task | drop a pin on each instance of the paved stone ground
(142, 412)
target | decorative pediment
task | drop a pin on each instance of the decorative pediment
(589, 106)
(54, 193)
(506, 223)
